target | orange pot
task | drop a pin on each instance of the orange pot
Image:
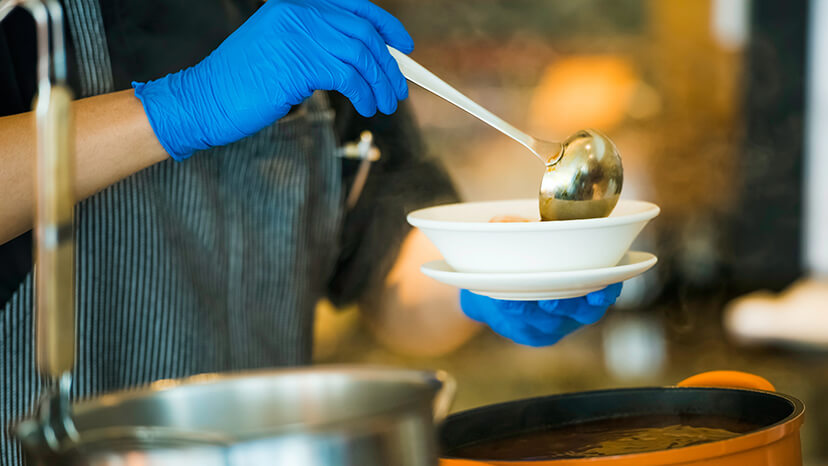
(734, 395)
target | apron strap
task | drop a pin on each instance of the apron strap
(85, 24)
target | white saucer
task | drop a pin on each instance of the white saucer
(541, 285)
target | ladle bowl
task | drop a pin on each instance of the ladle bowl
(584, 175)
(586, 180)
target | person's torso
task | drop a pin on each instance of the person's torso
(213, 264)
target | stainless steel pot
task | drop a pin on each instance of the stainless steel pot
(332, 416)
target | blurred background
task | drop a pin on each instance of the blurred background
(713, 105)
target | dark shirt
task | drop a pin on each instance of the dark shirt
(17, 87)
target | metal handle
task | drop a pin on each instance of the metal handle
(444, 397)
(54, 233)
(55, 195)
(728, 379)
(419, 75)
(367, 153)
(54, 225)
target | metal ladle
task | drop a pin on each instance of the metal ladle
(583, 176)
(54, 223)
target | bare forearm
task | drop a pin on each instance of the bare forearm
(415, 315)
(113, 139)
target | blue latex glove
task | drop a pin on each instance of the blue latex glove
(538, 323)
(275, 60)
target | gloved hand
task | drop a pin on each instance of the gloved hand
(538, 323)
(276, 59)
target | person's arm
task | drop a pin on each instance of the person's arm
(416, 315)
(283, 53)
(113, 139)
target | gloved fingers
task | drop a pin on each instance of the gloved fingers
(474, 306)
(513, 308)
(336, 75)
(531, 314)
(550, 305)
(521, 333)
(389, 27)
(605, 297)
(354, 87)
(523, 322)
(550, 323)
(561, 307)
(358, 28)
(356, 54)
(586, 309)
(481, 306)
(581, 311)
(593, 307)
(587, 314)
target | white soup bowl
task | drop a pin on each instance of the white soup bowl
(470, 242)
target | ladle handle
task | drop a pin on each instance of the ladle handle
(419, 75)
(728, 379)
(444, 397)
(54, 231)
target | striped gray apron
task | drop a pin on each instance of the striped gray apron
(212, 264)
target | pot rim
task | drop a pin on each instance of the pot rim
(763, 436)
(208, 378)
(111, 400)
